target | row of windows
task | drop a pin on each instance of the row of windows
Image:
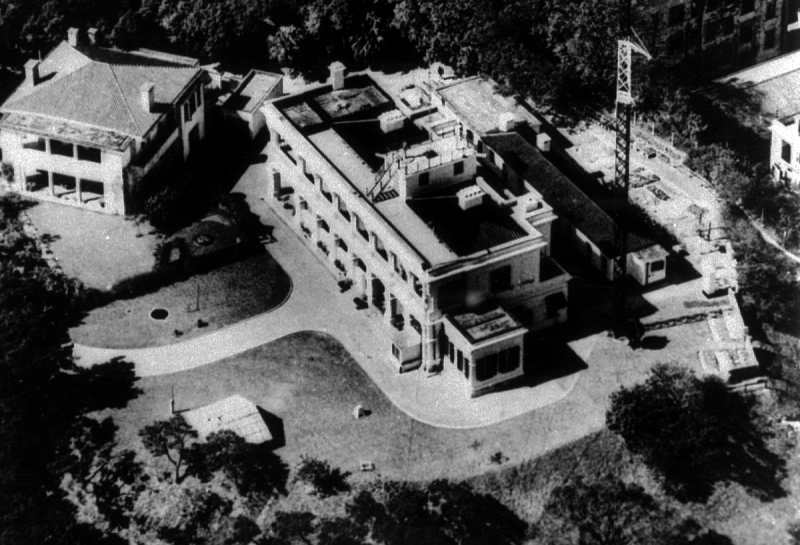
(377, 243)
(677, 14)
(501, 362)
(719, 29)
(65, 149)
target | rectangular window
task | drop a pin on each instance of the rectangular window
(772, 11)
(513, 358)
(460, 360)
(786, 152)
(57, 147)
(34, 142)
(727, 26)
(500, 279)
(677, 14)
(490, 156)
(710, 33)
(769, 38)
(395, 352)
(746, 33)
(89, 154)
(466, 367)
(657, 266)
(451, 294)
(458, 168)
(491, 366)
(424, 179)
(415, 325)
(502, 361)
(748, 6)
(451, 352)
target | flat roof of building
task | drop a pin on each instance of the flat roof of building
(567, 200)
(776, 83)
(235, 413)
(480, 326)
(478, 101)
(469, 231)
(252, 91)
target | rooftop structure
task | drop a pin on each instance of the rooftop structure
(256, 87)
(234, 413)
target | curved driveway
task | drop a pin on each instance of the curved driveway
(316, 304)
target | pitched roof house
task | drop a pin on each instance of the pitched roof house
(88, 123)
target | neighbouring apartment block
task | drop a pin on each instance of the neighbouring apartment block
(89, 124)
(772, 110)
(398, 203)
(722, 34)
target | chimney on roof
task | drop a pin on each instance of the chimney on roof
(543, 141)
(73, 37)
(337, 75)
(148, 92)
(506, 122)
(92, 33)
(470, 197)
(32, 73)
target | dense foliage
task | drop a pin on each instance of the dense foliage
(43, 395)
(696, 433)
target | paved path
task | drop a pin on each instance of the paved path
(316, 304)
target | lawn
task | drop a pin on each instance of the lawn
(226, 295)
(98, 249)
(312, 384)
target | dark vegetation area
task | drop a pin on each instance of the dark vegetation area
(57, 459)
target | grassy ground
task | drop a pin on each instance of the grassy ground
(311, 384)
(98, 249)
(227, 295)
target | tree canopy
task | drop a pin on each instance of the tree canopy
(695, 433)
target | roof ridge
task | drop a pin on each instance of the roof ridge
(122, 96)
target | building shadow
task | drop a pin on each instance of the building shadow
(275, 427)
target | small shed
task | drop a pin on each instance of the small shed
(234, 413)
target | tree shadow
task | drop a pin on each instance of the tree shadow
(109, 385)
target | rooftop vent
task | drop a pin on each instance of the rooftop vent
(337, 75)
(93, 35)
(391, 120)
(470, 197)
(148, 92)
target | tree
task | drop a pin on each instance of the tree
(291, 525)
(257, 472)
(171, 439)
(325, 480)
(695, 433)
(605, 512)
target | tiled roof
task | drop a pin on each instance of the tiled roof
(75, 88)
(567, 200)
(774, 83)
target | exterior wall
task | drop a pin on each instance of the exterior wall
(783, 170)
(197, 119)
(469, 354)
(439, 176)
(304, 188)
(27, 162)
(721, 34)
